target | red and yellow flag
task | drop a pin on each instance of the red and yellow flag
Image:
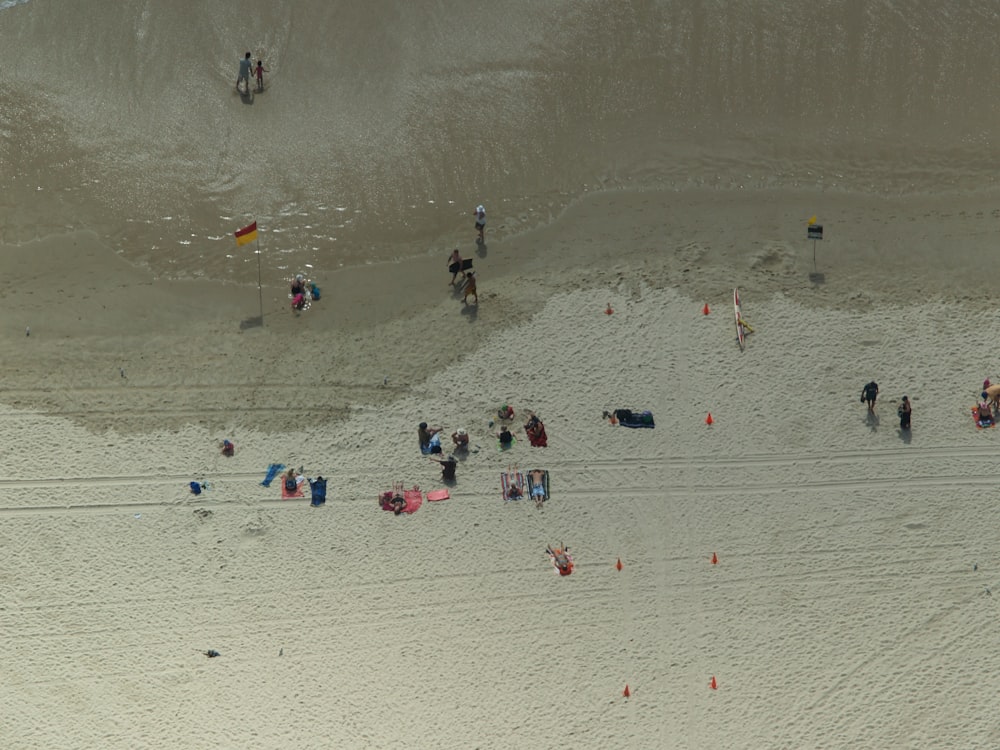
(246, 234)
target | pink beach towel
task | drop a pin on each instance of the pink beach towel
(414, 499)
(288, 494)
(436, 495)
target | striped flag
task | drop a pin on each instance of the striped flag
(246, 234)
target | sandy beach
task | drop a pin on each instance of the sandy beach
(845, 608)
(796, 574)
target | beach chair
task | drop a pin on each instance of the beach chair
(513, 485)
(538, 485)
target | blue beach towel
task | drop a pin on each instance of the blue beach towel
(272, 472)
(318, 487)
(629, 418)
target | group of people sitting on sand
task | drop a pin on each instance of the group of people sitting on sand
(302, 291)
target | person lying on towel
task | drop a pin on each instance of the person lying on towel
(537, 485)
(397, 503)
(560, 558)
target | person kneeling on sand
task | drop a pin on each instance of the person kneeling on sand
(461, 440)
(430, 441)
(448, 466)
(984, 415)
(505, 437)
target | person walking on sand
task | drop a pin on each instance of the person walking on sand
(904, 411)
(480, 214)
(470, 288)
(455, 265)
(245, 67)
(260, 70)
(869, 393)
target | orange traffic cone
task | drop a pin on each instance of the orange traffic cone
(705, 310)
(626, 692)
(618, 564)
(608, 310)
(708, 420)
(715, 559)
(712, 684)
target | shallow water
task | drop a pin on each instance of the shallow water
(382, 125)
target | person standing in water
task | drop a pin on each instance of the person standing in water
(246, 64)
(260, 70)
(480, 214)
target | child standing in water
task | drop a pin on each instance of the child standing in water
(260, 70)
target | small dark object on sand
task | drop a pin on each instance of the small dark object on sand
(211, 653)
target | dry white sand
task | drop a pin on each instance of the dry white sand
(844, 610)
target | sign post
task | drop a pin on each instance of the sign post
(814, 232)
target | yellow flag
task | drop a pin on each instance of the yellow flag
(247, 234)
(812, 220)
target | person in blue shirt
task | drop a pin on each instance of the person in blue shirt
(246, 67)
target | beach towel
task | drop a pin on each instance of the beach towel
(287, 493)
(317, 487)
(541, 440)
(513, 479)
(555, 554)
(272, 472)
(435, 496)
(414, 499)
(538, 485)
(629, 418)
(979, 423)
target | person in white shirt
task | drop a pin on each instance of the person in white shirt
(480, 214)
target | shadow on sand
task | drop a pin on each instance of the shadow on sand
(471, 311)
(254, 322)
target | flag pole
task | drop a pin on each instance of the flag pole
(260, 289)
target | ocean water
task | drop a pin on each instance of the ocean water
(383, 124)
